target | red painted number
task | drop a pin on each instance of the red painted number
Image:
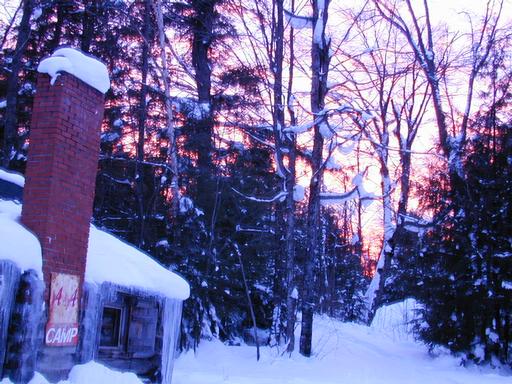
(58, 297)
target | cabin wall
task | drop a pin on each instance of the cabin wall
(25, 330)
(23, 322)
(148, 333)
(9, 280)
(89, 320)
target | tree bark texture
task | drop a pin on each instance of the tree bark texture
(320, 69)
(172, 154)
(203, 35)
(291, 299)
(139, 169)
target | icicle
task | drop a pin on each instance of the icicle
(171, 327)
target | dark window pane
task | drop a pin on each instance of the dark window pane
(110, 325)
(142, 328)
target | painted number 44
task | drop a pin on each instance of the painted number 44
(60, 299)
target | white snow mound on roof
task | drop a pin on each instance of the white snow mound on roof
(112, 260)
(88, 69)
(17, 243)
(12, 177)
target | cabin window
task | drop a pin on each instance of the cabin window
(142, 328)
(129, 327)
(111, 327)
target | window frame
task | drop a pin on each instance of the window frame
(126, 304)
(121, 328)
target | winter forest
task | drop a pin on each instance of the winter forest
(295, 158)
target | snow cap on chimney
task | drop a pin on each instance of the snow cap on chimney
(88, 69)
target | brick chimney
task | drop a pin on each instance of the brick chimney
(61, 171)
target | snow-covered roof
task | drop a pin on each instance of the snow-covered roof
(17, 243)
(88, 69)
(12, 177)
(109, 259)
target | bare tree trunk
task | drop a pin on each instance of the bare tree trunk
(139, 167)
(249, 302)
(291, 294)
(57, 35)
(203, 124)
(172, 149)
(10, 119)
(276, 66)
(91, 13)
(384, 263)
(320, 69)
(421, 40)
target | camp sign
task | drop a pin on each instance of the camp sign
(62, 326)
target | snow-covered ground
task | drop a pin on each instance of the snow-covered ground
(90, 373)
(343, 354)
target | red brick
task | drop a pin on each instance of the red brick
(61, 171)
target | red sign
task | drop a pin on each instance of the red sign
(62, 326)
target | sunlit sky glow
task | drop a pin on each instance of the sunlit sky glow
(450, 14)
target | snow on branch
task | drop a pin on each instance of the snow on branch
(240, 228)
(338, 198)
(279, 196)
(358, 192)
(414, 224)
(321, 118)
(298, 22)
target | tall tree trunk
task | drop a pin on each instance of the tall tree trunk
(139, 168)
(249, 302)
(204, 122)
(276, 66)
(377, 287)
(420, 36)
(320, 69)
(172, 154)
(10, 119)
(291, 294)
(57, 33)
(91, 13)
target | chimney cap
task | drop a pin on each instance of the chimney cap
(73, 61)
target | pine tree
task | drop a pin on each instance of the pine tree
(15, 63)
(467, 259)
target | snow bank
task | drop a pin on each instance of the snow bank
(88, 69)
(18, 244)
(90, 373)
(396, 320)
(12, 177)
(93, 372)
(343, 353)
(109, 259)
